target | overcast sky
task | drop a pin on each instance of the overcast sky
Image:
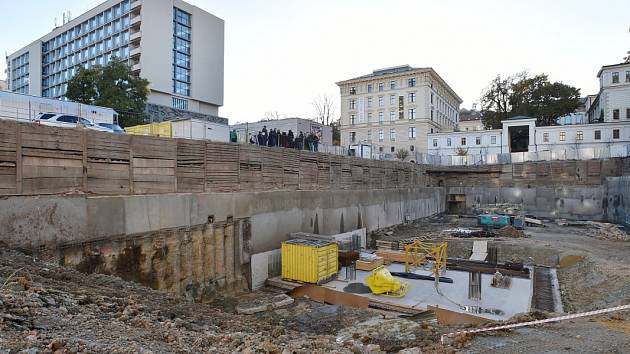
(281, 54)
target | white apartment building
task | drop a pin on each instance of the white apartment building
(396, 108)
(612, 104)
(178, 47)
(520, 134)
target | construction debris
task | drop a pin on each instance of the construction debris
(510, 231)
(276, 302)
(501, 281)
(606, 231)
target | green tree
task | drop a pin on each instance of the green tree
(534, 96)
(546, 101)
(402, 154)
(113, 86)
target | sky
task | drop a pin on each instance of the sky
(282, 54)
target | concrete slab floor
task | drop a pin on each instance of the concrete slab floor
(422, 293)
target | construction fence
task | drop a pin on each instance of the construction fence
(38, 159)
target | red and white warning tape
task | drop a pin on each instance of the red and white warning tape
(530, 323)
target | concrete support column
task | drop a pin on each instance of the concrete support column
(229, 253)
(219, 254)
(208, 253)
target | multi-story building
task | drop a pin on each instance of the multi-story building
(395, 108)
(178, 47)
(520, 134)
(612, 104)
(469, 120)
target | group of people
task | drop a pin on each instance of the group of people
(277, 138)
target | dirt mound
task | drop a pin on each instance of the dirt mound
(510, 231)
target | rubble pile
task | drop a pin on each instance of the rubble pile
(510, 231)
(606, 231)
(45, 308)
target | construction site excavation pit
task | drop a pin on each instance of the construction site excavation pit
(494, 303)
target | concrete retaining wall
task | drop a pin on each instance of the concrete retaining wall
(571, 202)
(619, 199)
(112, 227)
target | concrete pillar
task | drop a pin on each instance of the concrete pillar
(185, 261)
(229, 253)
(198, 257)
(208, 253)
(219, 253)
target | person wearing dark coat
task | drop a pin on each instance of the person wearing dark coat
(290, 138)
(261, 139)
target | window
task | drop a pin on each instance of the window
(411, 97)
(181, 52)
(369, 117)
(392, 100)
(448, 141)
(370, 87)
(412, 113)
(563, 136)
(411, 82)
(627, 76)
(412, 148)
(431, 113)
(434, 142)
(598, 135)
(353, 137)
(463, 141)
(615, 78)
(369, 135)
(353, 104)
(179, 103)
(392, 116)
(393, 149)
(478, 140)
(381, 87)
(369, 102)
(431, 97)
(352, 119)
(615, 114)
(353, 90)
(68, 119)
(493, 139)
(381, 117)
(392, 134)
(381, 135)
(380, 149)
(412, 133)
(380, 101)
(615, 133)
(627, 113)
(579, 135)
(545, 137)
(392, 85)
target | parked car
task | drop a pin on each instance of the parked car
(68, 121)
(115, 128)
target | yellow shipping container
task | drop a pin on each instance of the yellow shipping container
(308, 261)
(164, 129)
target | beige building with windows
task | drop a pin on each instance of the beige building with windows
(396, 108)
(177, 46)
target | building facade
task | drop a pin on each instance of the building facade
(469, 120)
(396, 108)
(520, 134)
(178, 47)
(296, 125)
(612, 104)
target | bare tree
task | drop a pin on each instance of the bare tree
(402, 154)
(273, 115)
(325, 108)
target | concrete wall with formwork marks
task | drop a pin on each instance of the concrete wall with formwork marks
(194, 244)
(619, 200)
(570, 202)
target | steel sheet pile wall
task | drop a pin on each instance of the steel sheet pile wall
(38, 159)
